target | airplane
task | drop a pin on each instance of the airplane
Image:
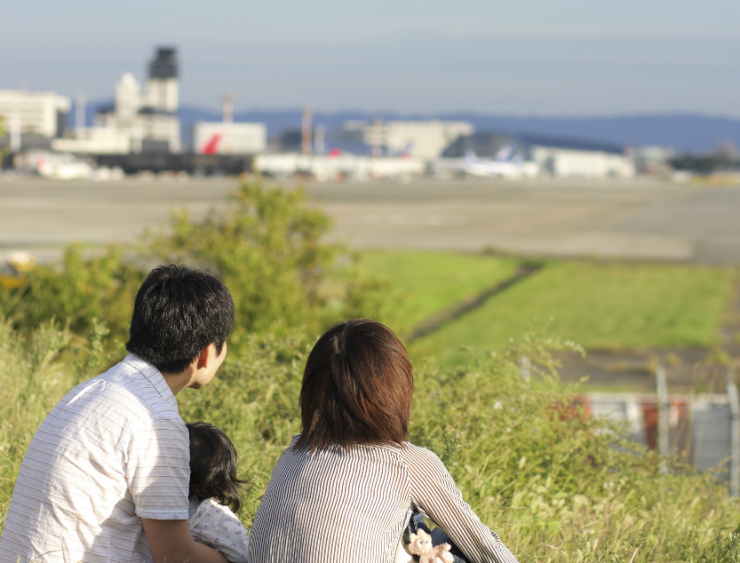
(501, 166)
(504, 153)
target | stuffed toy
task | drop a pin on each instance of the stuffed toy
(421, 544)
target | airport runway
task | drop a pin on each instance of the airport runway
(610, 219)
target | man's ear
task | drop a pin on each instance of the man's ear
(205, 355)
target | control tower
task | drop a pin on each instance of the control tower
(139, 120)
(162, 88)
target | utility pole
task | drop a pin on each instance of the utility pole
(732, 397)
(306, 131)
(664, 408)
(80, 116)
(226, 145)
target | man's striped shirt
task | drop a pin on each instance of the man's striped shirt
(113, 451)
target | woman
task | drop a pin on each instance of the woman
(347, 486)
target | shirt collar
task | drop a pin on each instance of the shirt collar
(154, 376)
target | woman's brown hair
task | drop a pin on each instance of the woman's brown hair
(357, 387)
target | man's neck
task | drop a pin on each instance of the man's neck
(178, 381)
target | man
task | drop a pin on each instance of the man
(105, 478)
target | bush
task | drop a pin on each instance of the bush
(76, 292)
(266, 247)
(555, 484)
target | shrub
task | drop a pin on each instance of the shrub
(36, 370)
(555, 484)
(76, 291)
(266, 248)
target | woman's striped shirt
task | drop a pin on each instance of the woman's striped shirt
(353, 506)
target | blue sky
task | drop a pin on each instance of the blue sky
(519, 57)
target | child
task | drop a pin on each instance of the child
(214, 488)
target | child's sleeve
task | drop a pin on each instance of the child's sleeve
(216, 526)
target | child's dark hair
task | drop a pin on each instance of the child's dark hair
(213, 466)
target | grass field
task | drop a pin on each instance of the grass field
(598, 305)
(425, 283)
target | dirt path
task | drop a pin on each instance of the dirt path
(524, 270)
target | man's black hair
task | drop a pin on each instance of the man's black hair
(178, 312)
(213, 466)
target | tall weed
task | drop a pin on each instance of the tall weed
(36, 370)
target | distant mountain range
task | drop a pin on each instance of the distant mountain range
(686, 133)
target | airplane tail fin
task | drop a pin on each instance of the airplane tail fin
(504, 153)
(211, 145)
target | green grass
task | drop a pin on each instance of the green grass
(425, 283)
(606, 306)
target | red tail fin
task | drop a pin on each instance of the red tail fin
(211, 146)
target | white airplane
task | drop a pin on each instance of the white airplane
(501, 166)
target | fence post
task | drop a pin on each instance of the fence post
(525, 368)
(664, 408)
(732, 397)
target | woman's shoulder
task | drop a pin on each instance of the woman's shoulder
(420, 451)
(419, 456)
(411, 454)
(406, 450)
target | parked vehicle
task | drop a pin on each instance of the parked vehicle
(15, 269)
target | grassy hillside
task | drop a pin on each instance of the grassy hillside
(548, 480)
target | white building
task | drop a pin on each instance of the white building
(338, 166)
(218, 137)
(141, 118)
(419, 139)
(581, 162)
(42, 113)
